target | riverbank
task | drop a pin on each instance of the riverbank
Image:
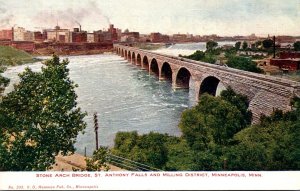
(10, 56)
(74, 161)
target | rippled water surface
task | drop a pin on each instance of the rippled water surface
(125, 97)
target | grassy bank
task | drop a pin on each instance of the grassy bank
(10, 56)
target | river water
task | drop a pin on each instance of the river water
(125, 97)
(188, 48)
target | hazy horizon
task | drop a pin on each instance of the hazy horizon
(198, 17)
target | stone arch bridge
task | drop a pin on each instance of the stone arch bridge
(265, 93)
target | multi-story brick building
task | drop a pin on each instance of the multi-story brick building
(102, 36)
(113, 32)
(179, 37)
(155, 37)
(18, 33)
(287, 61)
(78, 35)
(28, 36)
(130, 36)
(38, 36)
(6, 34)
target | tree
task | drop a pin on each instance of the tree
(98, 161)
(241, 102)
(125, 142)
(210, 45)
(3, 81)
(296, 46)
(270, 146)
(267, 43)
(243, 63)
(245, 45)
(258, 44)
(148, 149)
(274, 144)
(237, 45)
(212, 121)
(208, 56)
(39, 119)
(246, 156)
(154, 149)
(198, 55)
(180, 155)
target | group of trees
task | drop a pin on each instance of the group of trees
(218, 135)
(239, 44)
(39, 118)
(213, 52)
(206, 128)
(243, 63)
(264, 45)
(208, 57)
(258, 45)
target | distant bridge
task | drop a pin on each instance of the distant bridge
(265, 93)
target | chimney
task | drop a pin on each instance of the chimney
(79, 28)
(12, 33)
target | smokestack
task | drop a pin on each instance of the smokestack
(273, 46)
(80, 28)
(12, 33)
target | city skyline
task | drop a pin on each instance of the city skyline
(227, 18)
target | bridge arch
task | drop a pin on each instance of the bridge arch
(145, 63)
(122, 54)
(183, 78)
(133, 57)
(125, 54)
(138, 60)
(129, 56)
(154, 67)
(166, 71)
(209, 85)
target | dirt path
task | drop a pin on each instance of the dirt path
(77, 161)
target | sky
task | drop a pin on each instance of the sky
(198, 17)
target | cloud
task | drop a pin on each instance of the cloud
(223, 17)
(68, 17)
(6, 19)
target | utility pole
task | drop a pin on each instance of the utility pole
(274, 46)
(225, 164)
(96, 129)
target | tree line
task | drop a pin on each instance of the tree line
(217, 135)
